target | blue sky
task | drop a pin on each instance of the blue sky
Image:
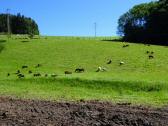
(72, 17)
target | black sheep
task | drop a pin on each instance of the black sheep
(37, 75)
(53, 75)
(125, 46)
(151, 56)
(21, 75)
(79, 70)
(30, 72)
(23, 67)
(8, 74)
(147, 52)
(109, 62)
(38, 65)
(68, 72)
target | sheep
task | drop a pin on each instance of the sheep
(23, 67)
(109, 62)
(46, 75)
(147, 52)
(30, 72)
(21, 75)
(79, 70)
(104, 69)
(53, 75)
(38, 65)
(151, 56)
(68, 72)
(152, 52)
(36, 74)
(122, 63)
(18, 71)
(101, 69)
(8, 74)
(125, 46)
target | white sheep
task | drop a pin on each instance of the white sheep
(101, 69)
(122, 63)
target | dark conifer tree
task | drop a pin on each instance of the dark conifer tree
(19, 24)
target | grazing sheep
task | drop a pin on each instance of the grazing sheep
(23, 67)
(151, 56)
(101, 69)
(79, 70)
(122, 63)
(109, 62)
(30, 72)
(104, 69)
(53, 75)
(21, 76)
(37, 75)
(38, 65)
(147, 52)
(125, 46)
(68, 72)
(8, 74)
(18, 71)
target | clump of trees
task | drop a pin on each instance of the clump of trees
(19, 24)
(145, 23)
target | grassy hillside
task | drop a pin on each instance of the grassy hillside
(140, 79)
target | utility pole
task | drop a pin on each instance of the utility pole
(8, 22)
(95, 28)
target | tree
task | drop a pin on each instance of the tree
(147, 23)
(157, 23)
(19, 24)
(3, 23)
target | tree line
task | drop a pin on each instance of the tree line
(19, 24)
(145, 23)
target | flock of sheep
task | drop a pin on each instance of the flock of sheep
(19, 74)
(77, 70)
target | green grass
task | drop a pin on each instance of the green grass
(139, 80)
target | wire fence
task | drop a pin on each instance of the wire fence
(18, 36)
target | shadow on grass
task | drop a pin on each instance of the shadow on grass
(2, 40)
(113, 40)
(1, 44)
(1, 47)
(25, 41)
(100, 84)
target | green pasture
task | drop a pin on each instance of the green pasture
(139, 80)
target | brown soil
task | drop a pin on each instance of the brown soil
(92, 113)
